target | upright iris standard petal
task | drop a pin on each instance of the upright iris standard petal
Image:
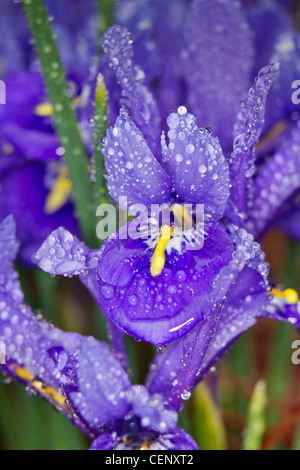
(79, 375)
(197, 162)
(277, 183)
(247, 131)
(216, 63)
(117, 45)
(132, 169)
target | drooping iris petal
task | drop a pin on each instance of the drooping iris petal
(276, 183)
(117, 45)
(102, 383)
(163, 308)
(62, 254)
(247, 131)
(9, 283)
(132, 169)
(197, 162)
(217, 62)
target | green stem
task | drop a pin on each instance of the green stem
(65, 118)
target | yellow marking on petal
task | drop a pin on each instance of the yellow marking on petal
(44, 110)
(290, 295)
(181, 215)
(48, 392)
(60, 192)
(272, 134)
(159, 258)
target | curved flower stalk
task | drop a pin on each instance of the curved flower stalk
(79, 375)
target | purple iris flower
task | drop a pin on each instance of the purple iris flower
(78, 375)
(240, 296)
(31, 160)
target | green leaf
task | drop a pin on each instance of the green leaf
(256, 420)
(65, 118)
(209, 427)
